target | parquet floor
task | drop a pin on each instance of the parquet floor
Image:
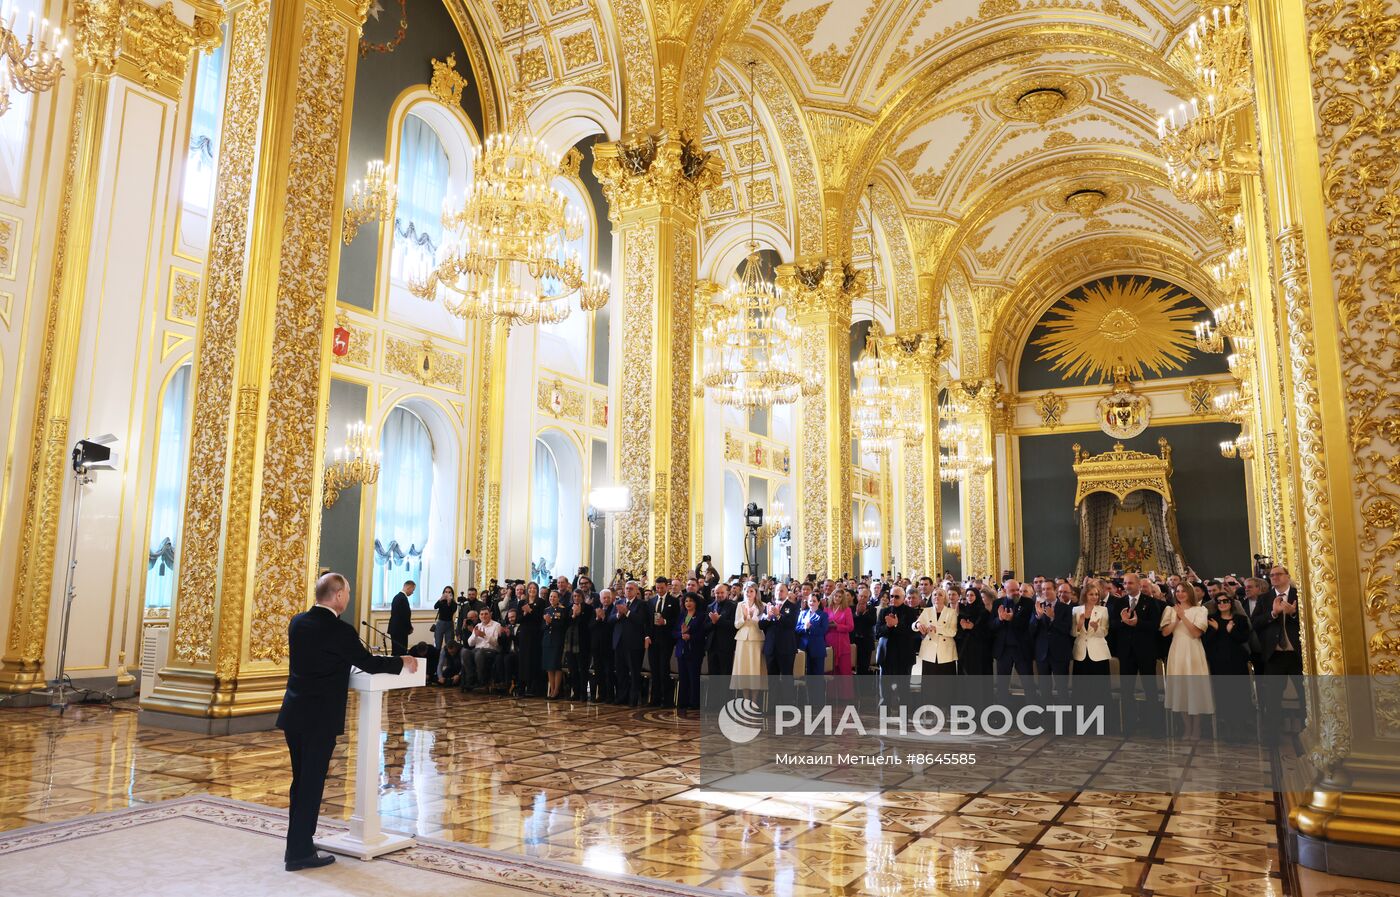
(613, 789)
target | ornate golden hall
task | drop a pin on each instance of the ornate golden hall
(473, 293)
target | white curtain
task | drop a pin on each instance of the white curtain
(544, 534)
(422, 181)
(168, 502)
(202, 158)
(404, 506)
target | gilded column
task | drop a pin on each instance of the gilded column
(979, 403)
(823, 292)
(146, 46)
(253, 493)
(653, 185)
(491, 412)
(1328, 76)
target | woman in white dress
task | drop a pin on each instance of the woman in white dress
(1188, 675)
(748, 673)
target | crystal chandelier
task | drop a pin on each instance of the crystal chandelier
(356, 463)
(1208, 339)
(880, 415)
(958, 458)
(954, 542)
(372, 199)
(1197, 138)
(751, 345)
(26, 65)
(504, 254)
(869, 535)
(774, 522)
(1232, 319)
(1235, 405)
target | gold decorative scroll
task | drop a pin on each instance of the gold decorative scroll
(1122, 472)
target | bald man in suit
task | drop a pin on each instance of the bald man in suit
(321, 649)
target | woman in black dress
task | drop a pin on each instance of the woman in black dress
(1226, 641)
(556, 627)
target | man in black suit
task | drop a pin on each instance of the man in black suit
(401, 618)
(662, 616)
(600, 653)
(629, 644)
(1275, 620)
(1133, 623)
(720, 613)
(321, 649)
(895, 627)
(1012, 647)
(1054, 638)
(781, 621)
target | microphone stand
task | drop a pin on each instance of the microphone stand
(387, 639)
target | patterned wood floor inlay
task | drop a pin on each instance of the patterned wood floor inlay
(613, 789)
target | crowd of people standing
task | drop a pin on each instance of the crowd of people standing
(632, 643)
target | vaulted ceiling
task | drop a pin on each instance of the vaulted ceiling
(949, 137)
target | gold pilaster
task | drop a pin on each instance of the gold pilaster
(1325, 80)
(252, 514)
(653, 185)
(982, 400)
(491, 412)
(152, 48)
(824, 291)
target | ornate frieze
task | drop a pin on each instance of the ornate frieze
(558, 399)
(149, 45)
(423, 362)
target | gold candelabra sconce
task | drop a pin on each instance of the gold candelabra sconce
(953, 544)
(1235, 405)
(1241, 361)
(372, 199)
(1241, 447)
(1232, 319)
(28, 65)
(356, 463)
(869, 535)
(775, 522)
(1209, 339)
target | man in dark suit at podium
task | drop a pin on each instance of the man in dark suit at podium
(321, 649)
(401, 618)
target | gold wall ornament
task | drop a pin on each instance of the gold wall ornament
(1040, 98)
(424, 362)
(557, 399)
(665, 167)
(447, 83)
(148, 45)
(184, 295)
(1051, 408)
(1085, 196)
(1130, 321)
(1200, 397)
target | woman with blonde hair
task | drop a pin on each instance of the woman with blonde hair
(841, 622)
(748, 641)
(1188, 674)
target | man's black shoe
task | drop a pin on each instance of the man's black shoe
(315, 861)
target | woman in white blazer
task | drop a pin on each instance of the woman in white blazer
(748, 672)
(1091, 655)
(938, 624)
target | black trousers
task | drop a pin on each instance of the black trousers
(399, 643)
(629, 676)
(311, 759)
(1054, 677)
(721, 658)
(1278, 670)
(602, 679)
(1139, 715)
(862, 650)
(659, 663)
(1021, 663)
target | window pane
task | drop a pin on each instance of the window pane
(202, 159)
(403, 508)
(422, 181)
(168, 500)
(544, 535)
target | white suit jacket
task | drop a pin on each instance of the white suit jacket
(939, 645)
(1091, 645)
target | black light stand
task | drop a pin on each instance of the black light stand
(753, 522)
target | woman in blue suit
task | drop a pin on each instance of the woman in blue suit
(812, 624)
(691, 630)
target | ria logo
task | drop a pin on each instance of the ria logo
(740, 720)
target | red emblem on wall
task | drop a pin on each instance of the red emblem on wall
(340, 345)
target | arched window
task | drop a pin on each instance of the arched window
(167, 504)
(202, 154)
(544, 531)
(423, 184)
(404, 506)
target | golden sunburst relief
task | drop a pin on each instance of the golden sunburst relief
(1140, 323)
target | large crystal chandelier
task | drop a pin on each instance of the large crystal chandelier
(880, 415)
(27, 65)
(960, 448)
(1197, 138)
(504, 254)
(751, 346)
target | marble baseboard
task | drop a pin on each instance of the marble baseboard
(1352, 860)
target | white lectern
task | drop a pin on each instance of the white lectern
(365, 839)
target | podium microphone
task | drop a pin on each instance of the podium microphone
(389, 641)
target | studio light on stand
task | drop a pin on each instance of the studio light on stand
(88, 455)
(753, 522)
(606, 500)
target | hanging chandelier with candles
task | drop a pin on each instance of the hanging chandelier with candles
(1197, 138)
(961, 454)
(880, 413)
(752, 342)
(28, 65)
(504, 254)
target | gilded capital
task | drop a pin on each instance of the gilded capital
(664, 168)
(146, 44)
(978, 396)
(823, 286)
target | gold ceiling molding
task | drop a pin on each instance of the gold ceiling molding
(1085, 196)
(885, 207)
(1057, 273)
(1127, 322)
(1040, 98)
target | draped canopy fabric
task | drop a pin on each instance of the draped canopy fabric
(404, 506)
